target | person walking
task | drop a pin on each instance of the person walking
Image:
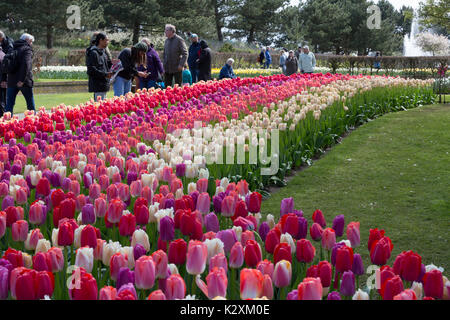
(307, 61)
(194, 55)
(20, 75)
(291, 64)
(262, 57)
(283, 57)
(130, 60)
(268, 59)
(175, 56)
(227, 71)
(204, 62)
(154, 67)
(99, 67)
(6, 45)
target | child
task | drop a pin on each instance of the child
(187, 77)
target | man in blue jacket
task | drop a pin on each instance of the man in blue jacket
(194, 55)
(268, 59)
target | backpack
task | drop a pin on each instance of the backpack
(10, 63)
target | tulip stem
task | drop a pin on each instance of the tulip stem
(193, 284)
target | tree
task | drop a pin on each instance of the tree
(38, 17)
(291, 29)
(130, 16)
(435, 13)
(222, 10)
(254, 19)
(436, 44)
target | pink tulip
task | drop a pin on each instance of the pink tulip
(161, 262)
(175, 287)
(282, 274)
(108, 293)
(219, 261)
(267, 290)
(144, 273)
(203, 203)
(310, 289)
(251, 284)
(236, 256)
(196, 257)
(19, 230)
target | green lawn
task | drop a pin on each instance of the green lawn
(52, 100)
(392, 173)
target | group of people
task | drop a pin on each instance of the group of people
(16, 72)
(303, 60)
(141, 63)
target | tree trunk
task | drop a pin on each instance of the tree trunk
(219, 25)
(251, 36)
(49, 36)
(136, 30)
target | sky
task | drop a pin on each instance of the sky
(396, 3)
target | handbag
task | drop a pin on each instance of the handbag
(116, 68)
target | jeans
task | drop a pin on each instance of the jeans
(147, 84)
(194, 73)
(266, 65)
(11, 95)
(121, 86)
(102, 95)
(170, 77)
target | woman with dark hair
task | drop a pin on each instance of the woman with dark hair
(204, 62)
(98, 67)
(130, 60)
(153, 67)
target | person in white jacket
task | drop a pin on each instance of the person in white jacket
(307, 61)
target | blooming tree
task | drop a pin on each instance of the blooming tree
(436, 44)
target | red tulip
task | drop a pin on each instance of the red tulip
(272, 240)
(252, 253)
(289, 224)
(374, 235)
(177, 252)
(142, 214)
(43, 187)
(381, 251)
(157, 295)
(408, 265)
(344, 259)
(324, 271)
(391, 287)
(89, 237)
(84, 286)
(433, 284)
(65, 234)
(254, 202)
(127, 225)
(118, 260)
(23, 284)
(115, 210)
(407, 294)
(282, 252)
(319, 218)
(305, 251)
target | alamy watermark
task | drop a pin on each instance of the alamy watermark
(374, 20)
(73, 22)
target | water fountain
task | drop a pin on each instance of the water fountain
(410, 48)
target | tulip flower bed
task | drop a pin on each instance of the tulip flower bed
(105, 201)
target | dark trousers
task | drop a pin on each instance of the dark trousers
(169, 79)
(194, 73)
(2, 101)
(11, 95)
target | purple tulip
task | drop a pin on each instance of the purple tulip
(167, 229)
(87, 180)
(6, 175)
(263, 230)
(358, 266)
(180, 170)
(422, 273)
(228, 237)
(293, 295)
(4, 283)
(287, 206)
(15, 169)
(88, 214)
(138, 251)
(7, 202)
(302, 228)
(132, 176)
(194, 196)
(124, 276)
(66, 184)
(348, 284)
(169, 203)
(338, 225)
(217, 202)
(298, 213)
(55, 180)
(27, 137)
(334, 295)
(128, 286)
(212, 223)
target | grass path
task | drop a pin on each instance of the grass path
(392, 173)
